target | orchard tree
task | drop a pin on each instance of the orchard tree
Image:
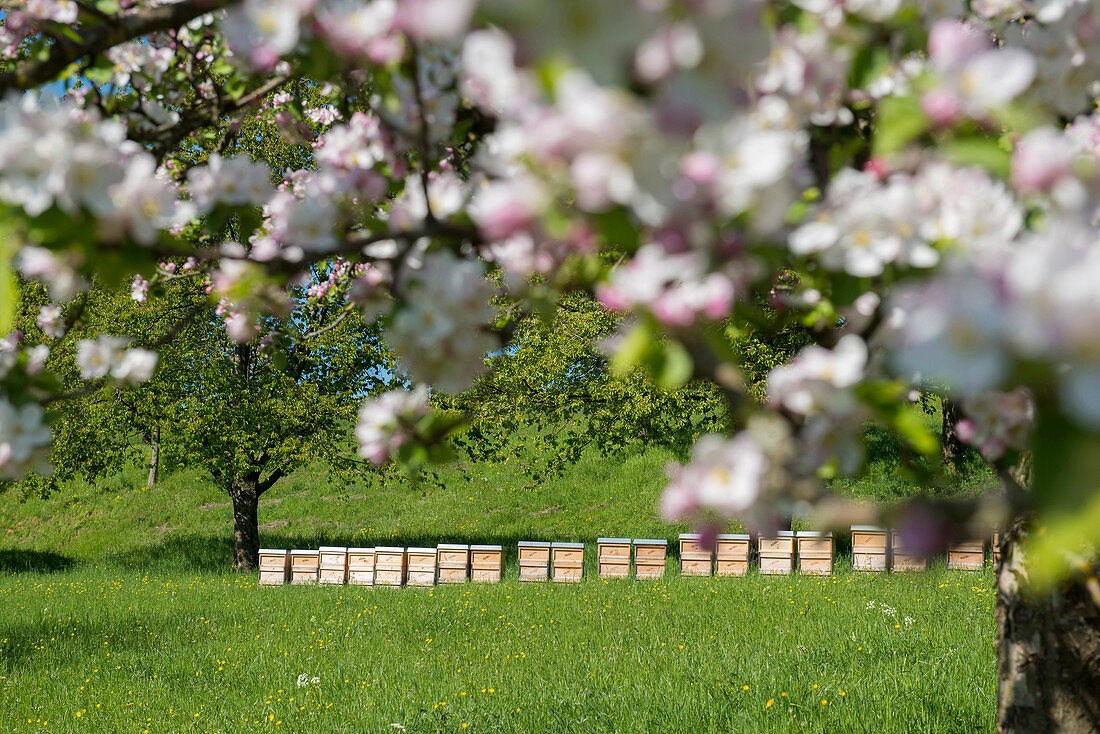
(914, 184)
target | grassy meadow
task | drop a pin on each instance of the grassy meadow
(121, 615)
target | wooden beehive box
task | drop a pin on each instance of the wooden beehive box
(389, 566)
(650, 556)
(995, 549)
(454, 563)
(732, 554)
(613, 557)
(567, 562)
(869, 548)
(815, 552)
(695, 560)
(534, 560)
(968, 555)
(420, 568)
(274, 567)
(333, 565)
(903, 558)
(303, 567)
(486, 563)
(777, 552)
(361, 566)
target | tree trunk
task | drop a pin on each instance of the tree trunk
(154, 457)
(950, 444)
(246, 534)
(1048, 651)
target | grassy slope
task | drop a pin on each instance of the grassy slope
(121, 615)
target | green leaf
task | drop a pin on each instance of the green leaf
(974, 151)
(632, 350)
(910, 424)
(675, 367)
(900, 121)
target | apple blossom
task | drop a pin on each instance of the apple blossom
(385, 422)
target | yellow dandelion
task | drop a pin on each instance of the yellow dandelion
(745, 687)
(824, 702)
(770, 703)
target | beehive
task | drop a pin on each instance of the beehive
(486, 563)
(968, 555)
(389, 566)
(333, 565)
(361, 566)
(869, 547)
(995, 549)
(695, 560)
(534, 560)
(274, 567)
(732, 555)
(903, 558)
(613, 558)
(649, 558)
(777, 553)
(420, 566)
(454, 563)
(815, 552)
(567, 562)
(303, 567)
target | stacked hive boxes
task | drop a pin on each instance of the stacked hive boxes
(274, 567)
(420, 566)
(454, 560)
(649, 558)
(361, 566)
(486, 563)
(869, 547)
(389, 566)
(732, 557)
(777, 553)
(303, 566)
(333, 564)
(568, 562)
(968, 555)
(695, 560)
(534, 560)
(902, 557)
(815, 552)
(613, 558)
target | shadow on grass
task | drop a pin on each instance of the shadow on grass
(31, 561)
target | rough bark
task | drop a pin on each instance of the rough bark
(1048, 651)
(245, 494)
(154, 456)
(950, 444)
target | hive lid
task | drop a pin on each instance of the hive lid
(389, 549)
(360, 550)
(613, 540)
(870, 528)
(333, 549)
(813, 534)
(785, 533)
(452, 546)
(650, 541)
(733, 536)
(568, 545)
(486, 547)
(690, 536)
(303, 553)
(534, 544)
(425, 551)
(272, 552)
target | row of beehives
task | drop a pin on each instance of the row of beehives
(383, 566)
(808, 551)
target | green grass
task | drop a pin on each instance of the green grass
(103, 650)
(121, 615)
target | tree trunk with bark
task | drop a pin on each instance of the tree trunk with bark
(1048, 650)
(245, 494)
(154, 456)
(950, 444)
